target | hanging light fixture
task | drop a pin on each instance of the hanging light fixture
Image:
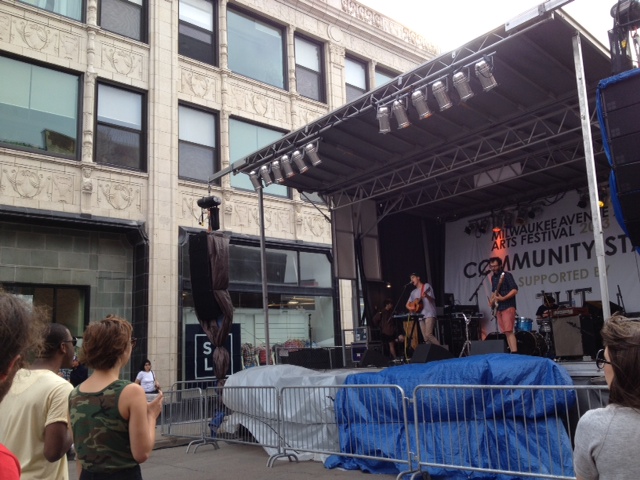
(484, 72)
(285, 163)
(400, 112)
(419, 101)
(461, 82)
(266, 177)
(439, 90)
(383, 120)
(482, 227)
(311, 149)
(277, 173)
(299, 161)
(255, 180)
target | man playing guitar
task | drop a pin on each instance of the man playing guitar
(422, 300)
(503, 301)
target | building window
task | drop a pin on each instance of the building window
(195, 30)
(126, 17)
(119, 130)
(68, 8)
(38, 108)
(197, 144)
(356, 78)
(246, 138)
(309, 71)
(383, 76)
(256, 49)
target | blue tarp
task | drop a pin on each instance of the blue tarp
(515, 430)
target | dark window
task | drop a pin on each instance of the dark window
(256, 49)
(309, 71)
(68, 8)
(195, 30)
(246, 138)
(126, 17)
(197, 144)
(356, 78)
(38, 108)
(120, 128)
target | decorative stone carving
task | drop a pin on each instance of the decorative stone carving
(196, 84)
(122, 61)
(315, 226)
(62, 189)
(5, 28)
(87, 183)
(25, 182)
(118, 195)
(337, 53)
(34, 35)
(69, 47)
(258, 103)
(335, 33)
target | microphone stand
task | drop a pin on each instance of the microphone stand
(475, 294)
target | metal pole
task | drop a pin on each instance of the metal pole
(263, 272)
(591, 175)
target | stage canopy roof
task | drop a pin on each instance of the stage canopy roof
(510, 146)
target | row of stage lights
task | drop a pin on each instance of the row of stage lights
(503, 220)
(440, 90)
(278, 170)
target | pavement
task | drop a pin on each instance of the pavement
(169, 461)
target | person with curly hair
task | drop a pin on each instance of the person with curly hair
(20, 333)
(113, 425)
(607, 439)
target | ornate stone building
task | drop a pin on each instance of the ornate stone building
(114, 114)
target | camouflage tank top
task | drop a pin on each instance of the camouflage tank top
(100, 434)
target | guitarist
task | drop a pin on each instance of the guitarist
(503, 301)
(422, 300)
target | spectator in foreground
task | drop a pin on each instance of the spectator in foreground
(607, 439)
(34, 416)
(113, 425)
(19, 333)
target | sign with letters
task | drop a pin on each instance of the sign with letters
(199, 354)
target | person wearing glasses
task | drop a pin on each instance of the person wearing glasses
(607, 439)
(114, 427)
(34, 415)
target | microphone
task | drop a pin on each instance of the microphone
(407, 284)
(486, 272)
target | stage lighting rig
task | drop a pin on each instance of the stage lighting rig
(211, 204)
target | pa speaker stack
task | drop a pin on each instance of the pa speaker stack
(427, 352)
(621, 111)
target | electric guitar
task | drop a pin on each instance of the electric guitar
(492, 301)
(415, 306)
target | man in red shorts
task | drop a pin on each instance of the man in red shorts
(503, 301)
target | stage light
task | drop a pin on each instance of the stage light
(584, 201)
(277, 173)
(534, 212)
(299, 161)
(497, 222)
(521, 216)
(484, 72)
(468, 230)
(383, 119)
(285, 163)
(311, 149)
(461, 82)
(255, 180)
(419, 101)
(266, 176)
(400, 112)
(482, 227)
(439, 90)
(507, 219)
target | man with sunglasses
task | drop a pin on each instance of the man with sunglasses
(34, 415)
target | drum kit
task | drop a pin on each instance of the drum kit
(530, 342)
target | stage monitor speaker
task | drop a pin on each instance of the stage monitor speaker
(427, 352)
(374, 358)
(484, 347)
(567, 336)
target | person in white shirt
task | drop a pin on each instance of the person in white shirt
(146, 378)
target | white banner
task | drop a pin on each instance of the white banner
(552, 253)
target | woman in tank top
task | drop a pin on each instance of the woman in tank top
(113, 425)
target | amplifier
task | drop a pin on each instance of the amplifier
(569, 312)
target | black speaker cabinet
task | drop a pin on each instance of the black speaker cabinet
(567, 336)
(483, 347)
(374, 358)
(201, 282)
(427, 352)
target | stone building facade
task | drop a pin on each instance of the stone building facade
(114, 114)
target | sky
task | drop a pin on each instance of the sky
(448, 24)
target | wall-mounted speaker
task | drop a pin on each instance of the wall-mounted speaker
(427, 352)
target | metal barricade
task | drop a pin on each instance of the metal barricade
(503, 430)
(184, 416)
(344, 420)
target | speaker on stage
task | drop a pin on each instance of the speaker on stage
(483, 347)
(374, 358)
(621, 110)
(204, 302)
(567, 336)
(427, 352)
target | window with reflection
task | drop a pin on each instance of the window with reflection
(256, 48)
(383, 76)
(197, 144)
(125, 17)
(246, 138)
(356, 78)
(309, 69)
(245, 266)
(120, 128)
(196, 37)
(38, 108)
(68, 8)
